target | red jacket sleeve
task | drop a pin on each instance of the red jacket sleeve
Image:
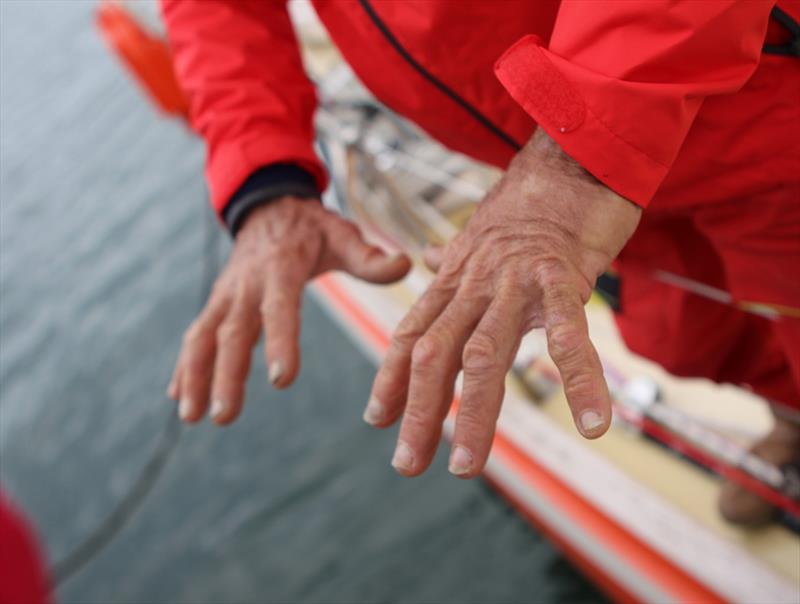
(239, 63)
(23, 579)
(621, 81)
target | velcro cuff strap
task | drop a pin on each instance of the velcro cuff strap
(548, 88)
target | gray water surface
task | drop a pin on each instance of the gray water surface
(102, 211)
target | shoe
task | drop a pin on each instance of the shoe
(744, 508)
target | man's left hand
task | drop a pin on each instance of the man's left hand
(528, 258)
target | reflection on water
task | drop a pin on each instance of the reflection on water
(101, 228)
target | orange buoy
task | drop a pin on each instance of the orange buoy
(145, 55)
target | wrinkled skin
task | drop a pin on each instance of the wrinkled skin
(281, 246)
(528, 258)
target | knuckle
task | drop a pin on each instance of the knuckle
(477, 281)
(440, 291)
(370, 252)
(406, 335)
(481, 353)
(426, 351)
(193, 334)
(220, 289)
(453, 260)
(232, 333)
(270, 308)
(266, 309)
(581, 386)
(415, 418)
(188, 338)
(281, 303)
(245, 292)
(476, 290)
(472, 420)
(450, 270)
(548, 271)
(564, 343)
(196, 365)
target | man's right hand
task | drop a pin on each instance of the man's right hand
(280, 247)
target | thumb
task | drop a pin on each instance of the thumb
(433, 257)
(352, 254)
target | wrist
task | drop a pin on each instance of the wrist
(264, 186)
(559, 192)
(547, 166)
(271, 219)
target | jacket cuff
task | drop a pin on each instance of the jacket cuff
(230, 163)
(265, 185)
(553, 92)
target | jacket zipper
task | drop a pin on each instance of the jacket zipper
(792, 47)
(449, 92)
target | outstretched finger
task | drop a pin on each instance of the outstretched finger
(236, 337)
(280, 316)
(435, 362)
(487, 358)
(577, 360)
(193, 374)
(390, 388)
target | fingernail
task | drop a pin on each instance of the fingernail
(403, 459)
(275, 371)
(460, 461)
(185, 408)
(217, 407)
(590, 420)
(171, 391)
(374, 413)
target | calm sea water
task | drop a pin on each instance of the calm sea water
(102, 213)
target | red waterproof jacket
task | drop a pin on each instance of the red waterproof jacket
(23, 578)
(656, 98)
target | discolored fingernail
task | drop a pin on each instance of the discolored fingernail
(460, 461)
(403, 460)
(217, 407)
(375, 412)
(185, 409)
(275, 372)
(590, 420)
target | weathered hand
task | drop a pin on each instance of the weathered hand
(528, 258)
(281, 246)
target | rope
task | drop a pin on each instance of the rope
(91, 546)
